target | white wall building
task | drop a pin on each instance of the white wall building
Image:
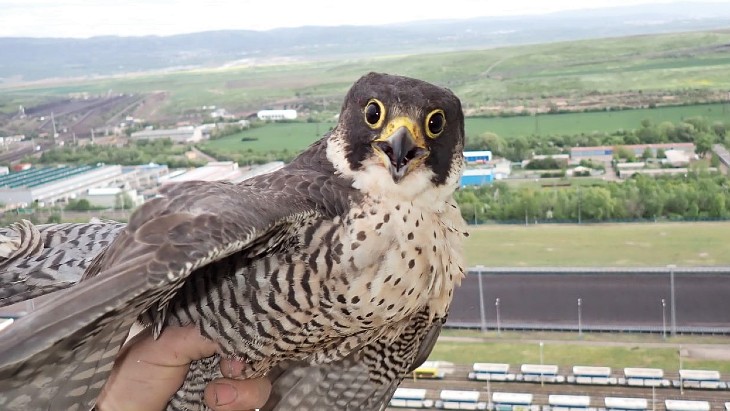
(51, 184)
(177, 135)
(274, 115)
(111, 197)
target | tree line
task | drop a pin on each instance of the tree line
(698, 195)
(160, 151)
(697, 130)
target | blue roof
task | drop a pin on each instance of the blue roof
(35, 177)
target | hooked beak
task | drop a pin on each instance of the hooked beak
(400, 149)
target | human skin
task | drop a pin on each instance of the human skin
(149, 371)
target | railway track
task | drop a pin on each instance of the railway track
(457, 380)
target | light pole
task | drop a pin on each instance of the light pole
(542, 381)
(681, 383)
(499, 324)
(664, 319)
(481, 299)
(489, 393)
(672, 301)
(580, 320)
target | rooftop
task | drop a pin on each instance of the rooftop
(35, 177)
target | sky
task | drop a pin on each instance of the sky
(88, 18)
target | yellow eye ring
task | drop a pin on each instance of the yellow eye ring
(435, 123)
(374, 113)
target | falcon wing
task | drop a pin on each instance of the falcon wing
(36, 260)
(58, 357)
(364, 381)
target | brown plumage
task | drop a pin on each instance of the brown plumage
(332, 275)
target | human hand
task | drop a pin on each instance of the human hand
(148, 372)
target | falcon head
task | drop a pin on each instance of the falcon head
(399, 135)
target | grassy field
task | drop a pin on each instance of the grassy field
(631, 244)
(297, 136)
(567, 354)
(479, 77)
(566, 349)
(577, 123)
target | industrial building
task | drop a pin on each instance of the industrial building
(605, 153)
(177, 135)
(52, 184)
(221, 171)
(477, 157)
(111, 197)
(477, 177)
(48, 185)
(274, 115)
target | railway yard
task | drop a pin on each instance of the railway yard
(457, 379)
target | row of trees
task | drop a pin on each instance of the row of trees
(699, 195)
(697, 130)
(161, 151)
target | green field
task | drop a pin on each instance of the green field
(577, 123)
(631, 244)
(616, 350)
(683, 61)
(567, 354)
(297, 136)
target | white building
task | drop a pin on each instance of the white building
(274, 115)
(176, 135)
(111, 197)
(221, 171)
(51, 184)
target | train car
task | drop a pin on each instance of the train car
(707, 379)
(482, 371)
(429, 370)
(460, 400)
(625, 404)
(686, 405)
(410, 398)
(540, 373)
(591, 375)
(511, 401)
(569, 402)
(645, 377)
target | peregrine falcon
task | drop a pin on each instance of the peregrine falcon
(332, 276)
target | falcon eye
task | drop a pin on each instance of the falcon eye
(374, 113)
(435, 123)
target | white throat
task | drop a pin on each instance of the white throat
(373, 179)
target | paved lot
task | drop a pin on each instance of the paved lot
(610, 299)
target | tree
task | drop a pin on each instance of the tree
(719, 129)
(79, 205)
(486, 141)
(647, 154)
(703, 144)
(596, 203)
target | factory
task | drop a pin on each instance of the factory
(104, 185)
(58, 184)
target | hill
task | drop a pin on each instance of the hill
(26, 59)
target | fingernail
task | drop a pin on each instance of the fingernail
(224, 393)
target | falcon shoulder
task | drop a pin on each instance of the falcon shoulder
(59, 356)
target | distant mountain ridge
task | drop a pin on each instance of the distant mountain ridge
(26, 59)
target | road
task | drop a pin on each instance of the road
(619, 299)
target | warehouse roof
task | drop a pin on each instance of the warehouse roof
(35, 177)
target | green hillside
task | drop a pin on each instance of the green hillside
(480, 77)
